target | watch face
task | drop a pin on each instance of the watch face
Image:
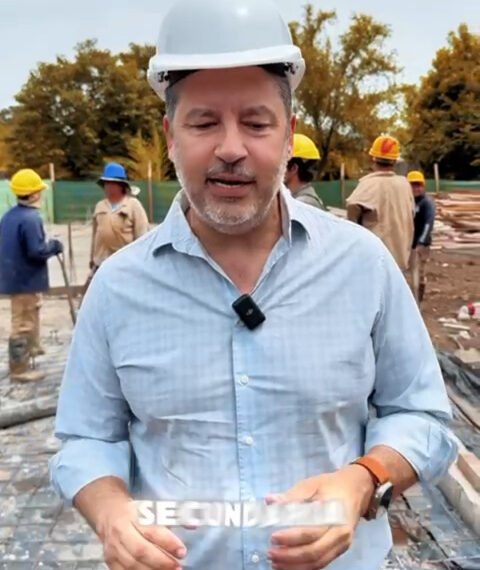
(381, 501)
(386, 497)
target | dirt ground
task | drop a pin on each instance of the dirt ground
(54, 317)
(453, 281)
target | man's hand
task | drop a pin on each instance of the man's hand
(315, 547)
(421, 249)
(128, 545)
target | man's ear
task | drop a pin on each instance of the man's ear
(167, 129)
(293, 123)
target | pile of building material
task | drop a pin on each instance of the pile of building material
(457, 225)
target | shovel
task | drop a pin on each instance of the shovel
(73, 314)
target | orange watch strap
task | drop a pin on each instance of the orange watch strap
(378, 471)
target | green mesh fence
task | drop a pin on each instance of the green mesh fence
(75, 201)
(7, 200)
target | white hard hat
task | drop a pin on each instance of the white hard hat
(216, 34)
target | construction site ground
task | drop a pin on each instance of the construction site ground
(38, 532)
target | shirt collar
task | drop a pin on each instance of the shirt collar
(176, 231)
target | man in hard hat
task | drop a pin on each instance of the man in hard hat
(302, 169)
(119, 218)
(233, 352)
(422, 238)
(24, 252)
(383, 203)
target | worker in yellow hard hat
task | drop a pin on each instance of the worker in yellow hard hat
(422, 237)
(383, 201)
(24, 252)
(302, 169)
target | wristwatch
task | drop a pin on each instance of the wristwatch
(383, 487)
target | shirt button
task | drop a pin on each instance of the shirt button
(255, 558)
(248, 440)
(244, 379)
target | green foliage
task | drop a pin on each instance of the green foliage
(348, 94)
(74, 113)
(5, 130)
(443, 115)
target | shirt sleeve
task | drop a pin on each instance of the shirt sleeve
(409, 395)
(36, 246)
(92, 416)
(140, 220)
(428, 225)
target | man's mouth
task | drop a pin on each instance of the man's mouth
(230, 181)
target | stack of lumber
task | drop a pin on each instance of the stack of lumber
(457, 223)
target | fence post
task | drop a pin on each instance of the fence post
(150, 192)
(51, 168)
(437, 177)
(342, 183)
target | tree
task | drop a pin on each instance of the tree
(348, 94)
(74, 113)
(443, 115)
(142, 151)
(5, 128)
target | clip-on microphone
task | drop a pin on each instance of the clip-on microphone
(248, 311)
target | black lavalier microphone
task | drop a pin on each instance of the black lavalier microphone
(248, 311)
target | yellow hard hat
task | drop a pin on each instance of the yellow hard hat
(25, 182)
(385, 147)
(304, 147)
(416, 176)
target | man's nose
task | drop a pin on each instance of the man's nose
(231, 147)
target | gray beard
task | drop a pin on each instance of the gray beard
(215, 216)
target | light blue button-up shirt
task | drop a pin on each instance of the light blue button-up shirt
(215, 411)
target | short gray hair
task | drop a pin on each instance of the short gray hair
(172, 92)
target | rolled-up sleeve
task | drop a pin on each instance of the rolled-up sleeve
(92, 416)
(409, 395)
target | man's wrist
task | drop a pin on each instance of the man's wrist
(365, 484)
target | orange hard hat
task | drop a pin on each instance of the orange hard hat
(385, 147)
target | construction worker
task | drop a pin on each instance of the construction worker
(234, 352)
(302, 169)
(422, 238)
(119, 218)
(383, 202)
(24, 252)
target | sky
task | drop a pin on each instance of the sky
(33, 31)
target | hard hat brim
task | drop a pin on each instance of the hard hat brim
(109, 179)
(161, 64)
(384, 156)
(18, 191)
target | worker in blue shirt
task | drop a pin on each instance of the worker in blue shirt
(234, 352)
(422, 238)
(24, 251)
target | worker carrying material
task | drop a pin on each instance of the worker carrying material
(24, 251)
(383, 202)
(422, 238)
(119, 218)
(302, 169)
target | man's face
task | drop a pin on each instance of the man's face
(290, 175)
(230, 140)
(114, 191)
(417, 188)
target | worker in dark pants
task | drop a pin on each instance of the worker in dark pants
(422, 238)
(24, 252)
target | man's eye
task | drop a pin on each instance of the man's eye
(203, 126)
(258, 126)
